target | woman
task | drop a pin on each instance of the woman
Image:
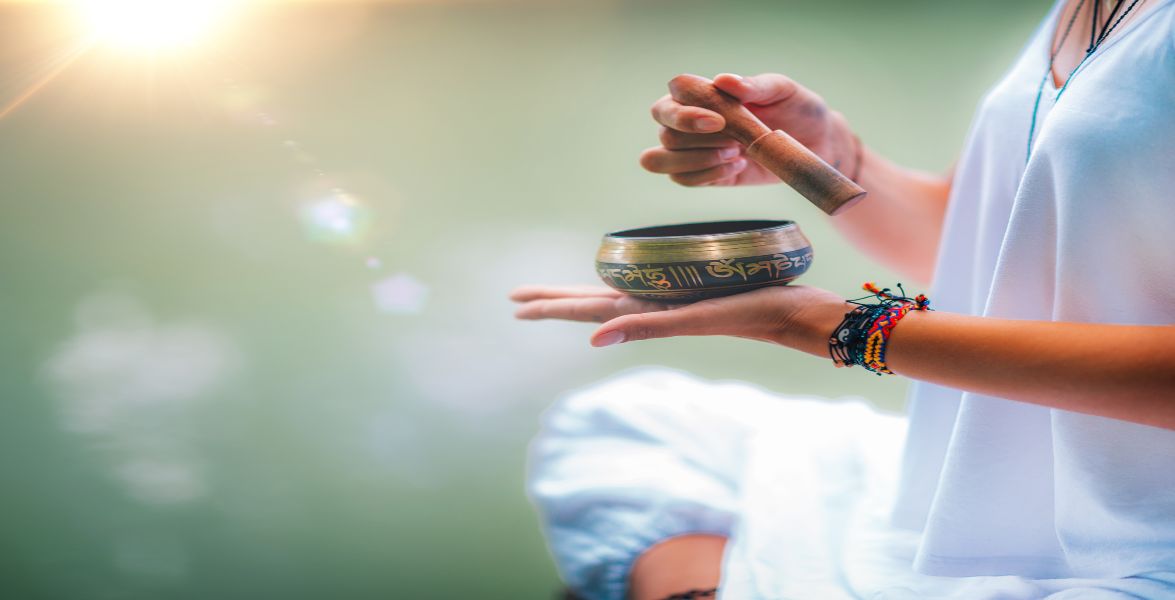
(1039, 455)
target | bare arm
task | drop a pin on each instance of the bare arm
(1124, 372)
(899, 224)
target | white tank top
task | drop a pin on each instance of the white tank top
(1085, 231)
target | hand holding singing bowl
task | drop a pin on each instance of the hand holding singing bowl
(733, 273)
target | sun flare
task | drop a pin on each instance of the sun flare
(151, 25)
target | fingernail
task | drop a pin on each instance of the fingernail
(708, 124)
(739, 164)
(727, 153)
(610, 339)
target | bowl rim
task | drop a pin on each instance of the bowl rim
(627, 234)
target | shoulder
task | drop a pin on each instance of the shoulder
(1164, 24)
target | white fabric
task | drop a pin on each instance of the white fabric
(800, 485)
(1084, 232)
(995, 499)
(656, 453)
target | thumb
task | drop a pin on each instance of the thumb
(696, 319)
(768, 88)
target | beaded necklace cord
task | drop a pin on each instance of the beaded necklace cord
(1095, 41)
(863, 336)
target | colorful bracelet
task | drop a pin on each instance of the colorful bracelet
(863, 336)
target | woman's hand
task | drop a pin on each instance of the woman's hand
(796, 316)
(694, 153)
(899, 224)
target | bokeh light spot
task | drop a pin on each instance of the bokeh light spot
(400, 294)
(337, 218)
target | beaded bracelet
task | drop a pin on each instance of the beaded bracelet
(863, 336)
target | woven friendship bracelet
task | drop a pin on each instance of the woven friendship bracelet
(863, 336)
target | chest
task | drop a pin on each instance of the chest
(1079, 22)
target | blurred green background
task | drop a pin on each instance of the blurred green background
(253, 326)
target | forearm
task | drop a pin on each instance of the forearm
(900, 222)
(1123, 372)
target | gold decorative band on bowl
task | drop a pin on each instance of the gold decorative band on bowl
(657, 244)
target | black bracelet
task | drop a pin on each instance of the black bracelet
(694, 594)
(846, 345)
(848, 342)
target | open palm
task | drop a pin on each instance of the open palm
(788, 315)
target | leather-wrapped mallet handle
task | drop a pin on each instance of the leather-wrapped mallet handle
(776, 151)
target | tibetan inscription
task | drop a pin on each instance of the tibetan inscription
(702, 278)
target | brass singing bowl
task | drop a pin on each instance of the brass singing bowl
(694, 261)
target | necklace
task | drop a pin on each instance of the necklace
(1095, 41)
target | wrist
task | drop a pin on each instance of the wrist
(862, 338)
(809, 328)
(848, 151)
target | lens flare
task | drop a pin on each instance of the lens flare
(337, 218)
(151, 25)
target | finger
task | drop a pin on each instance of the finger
(711, 175)
(690, 119)
(594, 310)
(527, 293)
(768, 88)
(673, 139)
(695, 319)
(660, 160)
(726, 181)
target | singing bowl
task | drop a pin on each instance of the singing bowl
(694, 261)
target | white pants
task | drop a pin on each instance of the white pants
(800, 485)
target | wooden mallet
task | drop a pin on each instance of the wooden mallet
(776, 151)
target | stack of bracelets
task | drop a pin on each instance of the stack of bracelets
(861, 339)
